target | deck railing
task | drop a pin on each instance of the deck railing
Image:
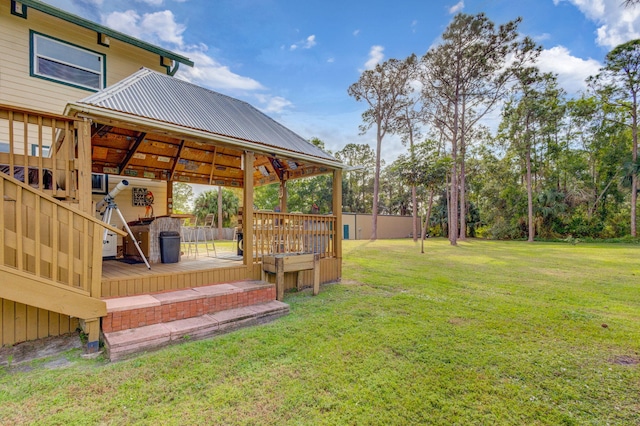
(293, 233)
(49, 239)
(40, 150)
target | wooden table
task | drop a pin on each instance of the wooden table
(292, 262)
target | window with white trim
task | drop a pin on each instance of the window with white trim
(64, 62)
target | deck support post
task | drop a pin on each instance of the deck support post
(91, 327)
(337, 211)
(283, 196)
(247, 204)
(83, 129)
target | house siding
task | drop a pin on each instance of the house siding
(18, 88)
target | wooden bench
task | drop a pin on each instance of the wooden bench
(292, 262)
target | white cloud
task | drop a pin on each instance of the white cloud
(376, 56)
(414, 25)
(356, 33)
(126, 22)
(331, 60)
(456, 7)
(163, 24)
(307, 43)
(151, 2)
(161, 28)
(571, 70)
(209, 73)
(542, 37)
(91, 2)
(154, 27)
(617, 24)
(273, 104)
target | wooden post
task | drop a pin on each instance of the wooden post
(337, 211)
(96, 262)
(247, 222)
(279, 278)
(299, 282)
(170, 197)
(220, 212)
(91, 327)
(283, 199)
(316, 274)
(84, 165)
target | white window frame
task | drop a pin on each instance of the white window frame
(36, 72)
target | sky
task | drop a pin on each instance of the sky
(294, 60)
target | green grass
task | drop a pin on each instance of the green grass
(482, 333)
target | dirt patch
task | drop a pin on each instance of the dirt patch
(25, 352)
(625, 360)
(458, 321)
(352, 282)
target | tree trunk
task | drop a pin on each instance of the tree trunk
(414, 197)
(425, 226)
(463, 201)
(463, 176)
(529, 196)
(634, 156)
(376, 187)
(453, 200)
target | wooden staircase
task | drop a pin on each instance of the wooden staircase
(50, 258)
(142, 323)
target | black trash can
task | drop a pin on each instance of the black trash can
(170, 247)
(240, 236)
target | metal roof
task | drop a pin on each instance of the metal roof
(85, 23)
(156, 96)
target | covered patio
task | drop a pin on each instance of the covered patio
(156, 127)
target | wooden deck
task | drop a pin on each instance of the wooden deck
(123, 279)
(115, 269)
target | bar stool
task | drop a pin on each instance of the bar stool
(190, 236)
(208, 225)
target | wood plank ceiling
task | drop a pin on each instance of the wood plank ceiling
(145, 154)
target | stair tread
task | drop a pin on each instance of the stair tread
(131, 341)
(119, 304)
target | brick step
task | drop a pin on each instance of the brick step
(122, 344)
(129, 312)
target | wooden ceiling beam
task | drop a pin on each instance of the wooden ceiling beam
(132, 150)
(176, 160)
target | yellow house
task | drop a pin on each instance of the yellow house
(61, 133)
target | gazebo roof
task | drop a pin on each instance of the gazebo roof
(151, 95)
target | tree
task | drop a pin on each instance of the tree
(524, 120)
(618, 83)
(395, 194)
(383, 89)
(426, 168)
(266, 197)
(358, 182)
(207, 203)
(182, 196)
(464, 77)
(304, 193)
(602, 143)
(407, 125)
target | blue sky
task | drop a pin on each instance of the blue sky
(295, 59)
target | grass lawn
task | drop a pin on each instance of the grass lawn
(482, 333)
